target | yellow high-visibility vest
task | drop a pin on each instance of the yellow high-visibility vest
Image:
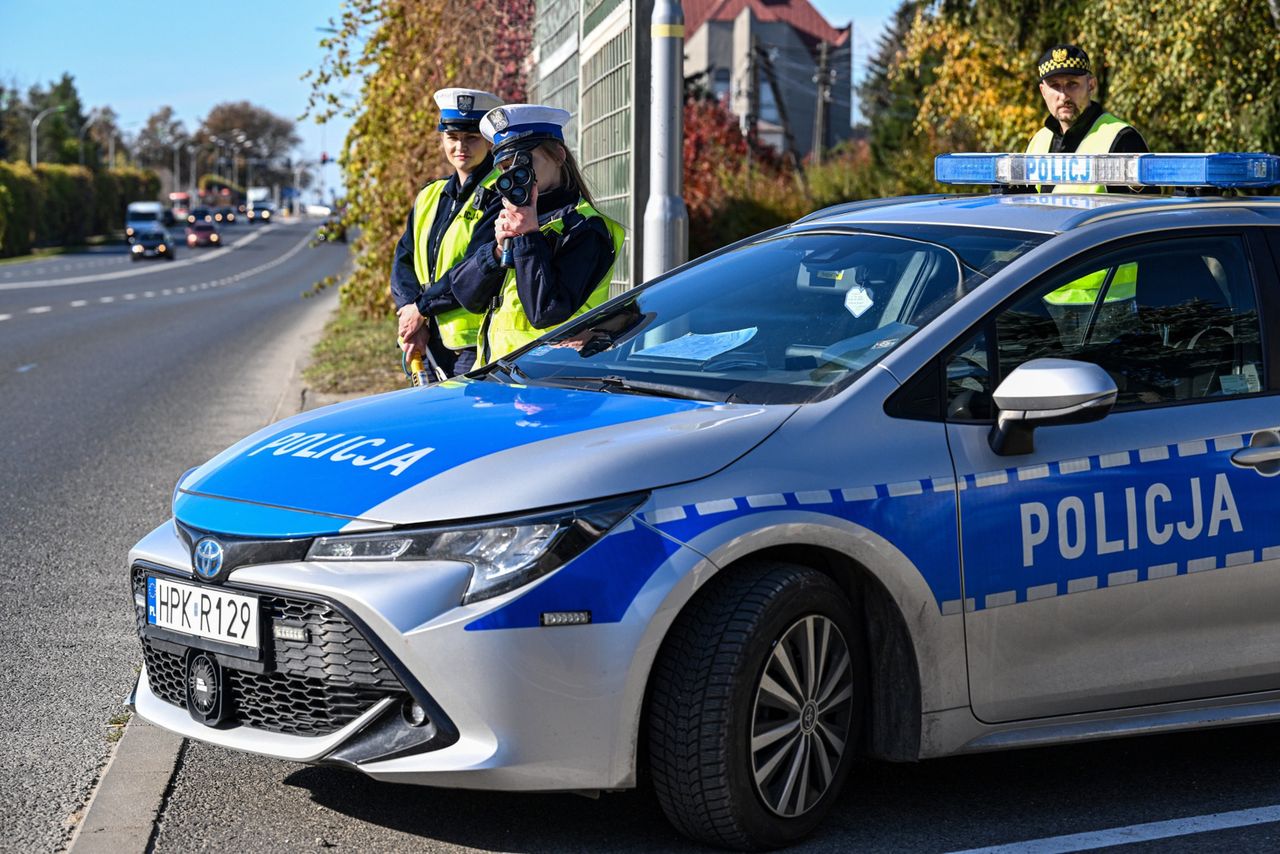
(458, 328)
(1098, 140)
(507, 327)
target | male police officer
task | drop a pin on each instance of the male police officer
(1077, 124)
(450, 218)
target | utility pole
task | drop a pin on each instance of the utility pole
(766, 62)
(823, 79)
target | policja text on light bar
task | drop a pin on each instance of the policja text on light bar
(1135, 170)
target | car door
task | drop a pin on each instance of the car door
(1134, 560)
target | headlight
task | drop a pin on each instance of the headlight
(213, 237)
(504, 554)
(160, 248)
(137, 247)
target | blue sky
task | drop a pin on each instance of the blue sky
(137, 57)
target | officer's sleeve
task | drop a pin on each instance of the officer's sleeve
(404, 279)
(554, 284)
(1130, 141)
(478, 280)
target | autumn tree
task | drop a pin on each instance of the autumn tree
(397, 53)
(1199, 75)
(243, 132)
(153, 145)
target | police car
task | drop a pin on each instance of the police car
(904, 479)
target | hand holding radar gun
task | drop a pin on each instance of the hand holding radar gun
(413, 367)
(516, 186)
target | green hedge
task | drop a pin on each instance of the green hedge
(61, 205)
(24, 197)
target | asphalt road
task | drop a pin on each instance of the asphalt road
(115, 377)
(225, 801)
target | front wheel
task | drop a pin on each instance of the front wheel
(756, 704)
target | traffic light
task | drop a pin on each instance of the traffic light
(324, 157)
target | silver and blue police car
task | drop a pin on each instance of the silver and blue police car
(906, 478)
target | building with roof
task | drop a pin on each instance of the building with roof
(763, 58)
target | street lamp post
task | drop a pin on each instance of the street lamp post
(93, 117)
(35, 126)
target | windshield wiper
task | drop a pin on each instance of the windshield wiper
(511, 369)
(613, 382)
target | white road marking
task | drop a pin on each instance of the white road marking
(1134, 833)
(79, 303)
(25, 368)
(130, 296)
(39, 309)
(5, 316)
(79, 280)
(106, 299)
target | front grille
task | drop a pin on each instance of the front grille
(311, 687)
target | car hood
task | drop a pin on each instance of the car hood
(461, 450)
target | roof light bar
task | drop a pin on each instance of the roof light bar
(1135, 170)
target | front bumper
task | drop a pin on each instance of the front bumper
(529, 708)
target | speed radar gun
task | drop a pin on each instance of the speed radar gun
(516, 186)
(415, 370)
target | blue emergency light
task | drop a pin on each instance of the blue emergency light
(1135, 170)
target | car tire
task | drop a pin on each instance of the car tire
(722, 746)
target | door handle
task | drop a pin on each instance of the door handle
(1256, 456)
(1262, 455)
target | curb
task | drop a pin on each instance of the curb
(123, 810)
(130, 795)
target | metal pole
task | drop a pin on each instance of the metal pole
(177, 167)
(80, 143)
(35, 126)
(666, 220)
(823, 79)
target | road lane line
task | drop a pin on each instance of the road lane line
(39, 309)
(79, 280)
(5, 316)
(1133, 833)
(25, 368)
(106, 299)
(79, 303)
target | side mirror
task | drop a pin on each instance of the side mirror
(1044, 393)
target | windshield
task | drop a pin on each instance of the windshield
(143, 216)
(786, 320)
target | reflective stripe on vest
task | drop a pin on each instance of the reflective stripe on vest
(1084, 290)
(1098, 140)
(508, 326)
(458, 328)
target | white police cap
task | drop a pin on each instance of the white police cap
(462, 109)
(522, 125)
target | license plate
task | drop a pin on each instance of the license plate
(206, 612)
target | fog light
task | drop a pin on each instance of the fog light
(287, 632)
(565, 618)
(414, 714)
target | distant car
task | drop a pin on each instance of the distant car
(262, 212)
(225, 214)
(203, 234)
(151, 243)
(200, 215)
(141, 216)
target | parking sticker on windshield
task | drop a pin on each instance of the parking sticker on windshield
(700, 347)
(858, 300)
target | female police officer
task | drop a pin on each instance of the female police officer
(451, 217)
(562, 249)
